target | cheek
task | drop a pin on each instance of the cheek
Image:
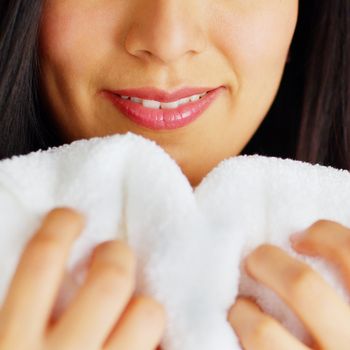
(71, 34)
(60, 38)
(256, 38)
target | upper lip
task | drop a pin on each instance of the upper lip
(151, 93)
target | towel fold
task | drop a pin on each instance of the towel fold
(189, 242)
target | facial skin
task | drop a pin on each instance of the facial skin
(86, 46)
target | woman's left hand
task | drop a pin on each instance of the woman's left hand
(323, 312)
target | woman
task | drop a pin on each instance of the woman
(66, 70)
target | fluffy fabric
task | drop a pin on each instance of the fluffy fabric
(189, 242)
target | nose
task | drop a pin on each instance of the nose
(166, 30)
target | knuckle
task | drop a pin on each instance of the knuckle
(66, 212)
(321, 225)
(112, 279)
(303, 279)
(263, 328)
(264, 249)
(117, 252)
(124, 250)
(106, 247)
(62, 221)
(150, 310)
(44, 249)
(253, 259)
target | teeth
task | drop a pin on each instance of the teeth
(170, 105)
(164, 105)
(136, 99)
(184, 100)
(195, 98)
(151, 104)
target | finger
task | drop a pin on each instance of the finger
(101, 300)
(140, 327)
(329, 240)
(257, 330)
(306, 292)
(33, 289)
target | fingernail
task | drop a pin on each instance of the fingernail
(297, 236)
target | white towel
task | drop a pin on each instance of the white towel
(189, 242)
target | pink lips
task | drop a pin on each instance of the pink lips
(159, 119)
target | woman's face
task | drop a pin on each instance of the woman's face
(89, 46)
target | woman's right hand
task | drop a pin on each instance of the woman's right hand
(104, 314)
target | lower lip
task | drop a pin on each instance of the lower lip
(159, 119)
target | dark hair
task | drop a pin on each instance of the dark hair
(24, 125)
(309, 119)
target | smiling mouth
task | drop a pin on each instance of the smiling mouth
(163, 105)
(159, 115)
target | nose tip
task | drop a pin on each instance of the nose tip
(165, 34)
(164, 50)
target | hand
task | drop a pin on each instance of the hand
(100, 316)
(323, 312)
